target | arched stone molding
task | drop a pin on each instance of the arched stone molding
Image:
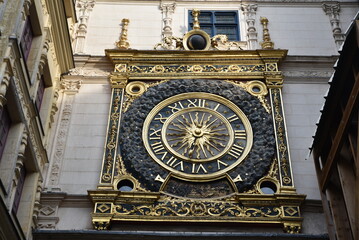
(332, 9)
(249, 12)
(83, 9)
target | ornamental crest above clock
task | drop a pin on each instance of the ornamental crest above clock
(198, 138)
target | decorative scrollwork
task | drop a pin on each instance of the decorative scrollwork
(165, 69)
(180, 208)
(281, 138)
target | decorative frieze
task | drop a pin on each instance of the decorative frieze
(69, 89)
(84, 8)
(332, 9)
(249, 13)
(88, 72)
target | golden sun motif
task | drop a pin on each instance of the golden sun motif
(198, 135)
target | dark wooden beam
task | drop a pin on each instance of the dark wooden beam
(338, 139)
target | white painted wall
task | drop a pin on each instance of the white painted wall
(303, 29)
(302, 104)
(86, 139)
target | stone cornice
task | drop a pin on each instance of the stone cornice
(296, 68)
(221, 1)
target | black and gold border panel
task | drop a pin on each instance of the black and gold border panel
(194, 70)
(283, 154)
(265, 211)
(110, 151)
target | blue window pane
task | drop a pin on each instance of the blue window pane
(225, 18)
(205, 18)
(230, 31)
(207, 29)
(218, 22)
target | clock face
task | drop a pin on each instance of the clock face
(197, 136)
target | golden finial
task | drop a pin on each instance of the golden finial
(267, 43)
(195, 14)
(123, 43)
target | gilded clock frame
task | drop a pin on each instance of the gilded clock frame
(219, 99)
(254, 70)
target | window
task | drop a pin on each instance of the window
(218, 22)
(19, 188)
(27, 37)
(5, 123)
(40, 93)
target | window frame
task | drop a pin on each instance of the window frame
(5, 121)
(19, 189)
(214, 25)
(26, 43)
(40, 92)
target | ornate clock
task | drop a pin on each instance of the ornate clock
(183, 134)
(196, 137)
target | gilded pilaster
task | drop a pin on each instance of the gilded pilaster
(274, 81)
(113, 126)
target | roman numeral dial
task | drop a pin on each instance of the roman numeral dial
(197, 136)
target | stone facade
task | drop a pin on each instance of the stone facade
(30, 69)
(66, 155)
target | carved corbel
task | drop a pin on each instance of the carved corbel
(332, 9)
(70, 85)
(37, 204)
(26, 9)
(118, 80)
(3, 88)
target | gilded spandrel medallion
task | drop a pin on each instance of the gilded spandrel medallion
(197, 136)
